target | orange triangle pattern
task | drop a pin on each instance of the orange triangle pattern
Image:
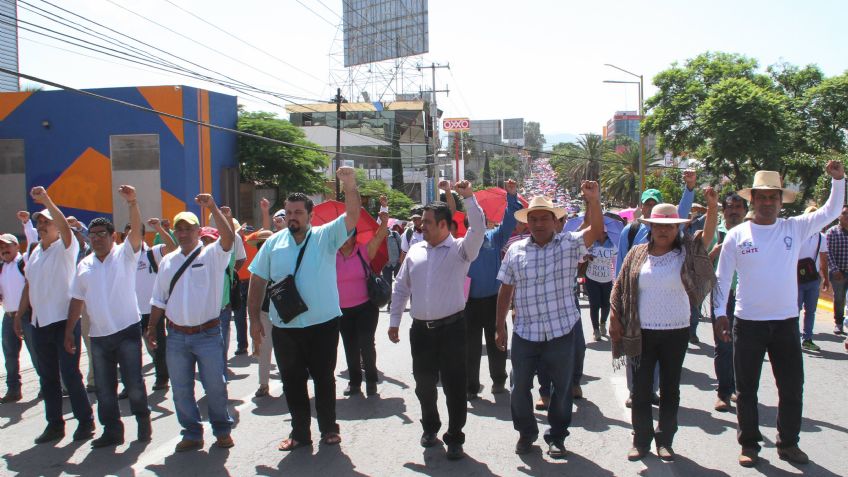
(171, 206)
(86, 184)
(168, 99)
(10, 102)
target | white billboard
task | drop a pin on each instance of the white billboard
(377, 30)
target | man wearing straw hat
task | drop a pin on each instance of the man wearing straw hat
(764, 254)
(540, 272)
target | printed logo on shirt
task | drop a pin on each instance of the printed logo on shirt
(747, 247)
(788, 241)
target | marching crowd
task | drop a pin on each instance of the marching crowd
(292, 289)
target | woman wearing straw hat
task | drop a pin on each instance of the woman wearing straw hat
(649, 323)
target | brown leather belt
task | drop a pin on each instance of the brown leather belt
(192, 330)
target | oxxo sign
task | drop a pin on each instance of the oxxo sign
(456, 124)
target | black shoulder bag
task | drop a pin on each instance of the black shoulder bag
(182, 270)
(807, 270)
(154, 267)
(379, 292)
(284, 295)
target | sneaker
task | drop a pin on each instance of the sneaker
(188, 445)
(723, 405)
(603, 329)
(597, 335)
(749, 457)
(11, 397)
(576, 392)
(810, 346)
(793, 454)
(838, 330)
(665, 453)
(50, 434)
(556, 450)
(543, 403)
(85, 430)
(352, 390)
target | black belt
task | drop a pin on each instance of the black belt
(483, 298)
(433, 324)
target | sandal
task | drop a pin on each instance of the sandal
(290, 444)
(331, 438)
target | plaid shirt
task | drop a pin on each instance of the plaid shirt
(837, 249)
(544, 285)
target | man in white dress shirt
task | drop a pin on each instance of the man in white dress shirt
(433, 274)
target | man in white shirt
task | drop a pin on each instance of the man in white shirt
(105, 284)
(49, 272)
(12, 283)
(433, 274)
(764, 254)
(146, 270)
(411, 236)
(191, 300)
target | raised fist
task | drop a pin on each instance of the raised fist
(23, 216)
(712, 197)
(205, 200)
(511, 187)
(591, 190)
(127, 192)
(153, 222)
(689, 177)
(347, 175)
(265, 204)
(444, 185)
(464, 189)
(228, 213)
(384, 201)
(835, 169)
(39, 195)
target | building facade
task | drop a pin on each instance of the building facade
(81, 148)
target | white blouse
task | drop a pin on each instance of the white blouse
(663, 302)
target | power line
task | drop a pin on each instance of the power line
(189, 120)
(317, 14)
(243, 41)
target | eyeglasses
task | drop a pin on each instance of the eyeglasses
(100, 233)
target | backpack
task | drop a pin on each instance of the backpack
(20, 266)
(152, 261)
(631, 235)
(408, 234)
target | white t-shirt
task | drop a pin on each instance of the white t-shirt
(601, 268)
(241, 253)
(765, 258)
(414, 239)
(108, 290)
(145, 277)
(808, 248)
(663, 302)
(49, 273)
(11, 285)
(199, 292)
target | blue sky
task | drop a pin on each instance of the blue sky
(541, 60)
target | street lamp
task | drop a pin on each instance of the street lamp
(641, 117)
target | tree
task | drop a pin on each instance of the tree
(719, 108)
(487, 172)
(268, 164)
(581, 161)
(371, 190)
(505, 167)
(620, 181)
(534, 140)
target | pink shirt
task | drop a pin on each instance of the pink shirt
(350, 278)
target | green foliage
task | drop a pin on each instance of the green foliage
(371, 189)
(669, 181)
(487, 172)
(736, 120)
(286, 168)
(533, 138)
(505, 167)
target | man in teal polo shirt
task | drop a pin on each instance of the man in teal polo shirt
(306, 346)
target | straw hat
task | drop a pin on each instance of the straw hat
(539, 203)
(258, 236)
(768, 180)
(664, 214)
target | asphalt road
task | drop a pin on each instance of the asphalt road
(380, 433)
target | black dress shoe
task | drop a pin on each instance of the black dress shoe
(145, 430)
(85, 430)
(524, 444)
(241, 351)
(352, 390)
(50, 434)
(124, 394)
(160, 385)
(106, 440)
(371, 389)
(455, 452)
(429, 439)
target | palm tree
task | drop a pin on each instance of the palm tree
(585, 159)
(621, 175)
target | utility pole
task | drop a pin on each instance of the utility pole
(337, 159)
(432, 169)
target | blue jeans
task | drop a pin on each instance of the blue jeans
(840, 287)
(108, 352)
(808, 298)
(558, 357)
(225, 318)
(723, 360)
(240, 317)
(694, 317)
(52, 360)
(202, 351)
(12, 351)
